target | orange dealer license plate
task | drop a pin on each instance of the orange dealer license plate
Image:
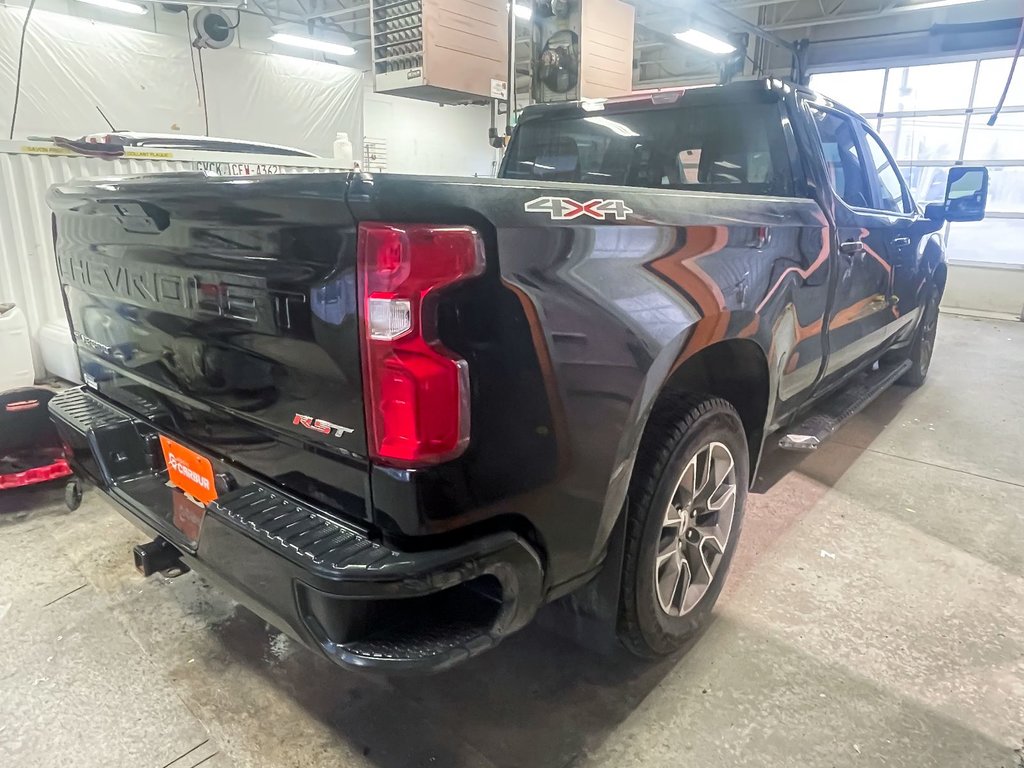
(189, 471)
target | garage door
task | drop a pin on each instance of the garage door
(936, 115)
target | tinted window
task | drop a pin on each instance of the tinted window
(842, 158)
(890, 189)
(733, 148)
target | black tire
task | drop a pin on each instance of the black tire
(676, 435)
(920, 351)
(73, 494)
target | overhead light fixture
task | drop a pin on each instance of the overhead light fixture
(119, 5)
(523, 12)
(704, 41)
(312, 44)
(932, 4)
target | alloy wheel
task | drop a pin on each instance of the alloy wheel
(695, 530)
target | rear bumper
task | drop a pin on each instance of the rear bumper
(322, 580)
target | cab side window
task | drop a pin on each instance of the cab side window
(842, 157)
(891, 191)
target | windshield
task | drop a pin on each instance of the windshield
(722, 147)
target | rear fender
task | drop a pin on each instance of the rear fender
(679, 368)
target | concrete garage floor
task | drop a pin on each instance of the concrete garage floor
(874, 616)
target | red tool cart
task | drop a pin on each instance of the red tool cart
(30, 450)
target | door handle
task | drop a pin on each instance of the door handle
(851, 247)
(901, 241)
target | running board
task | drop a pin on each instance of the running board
(820, 424)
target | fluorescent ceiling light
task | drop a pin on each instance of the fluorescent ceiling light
(312, 44)
(612, 125)
(119, 5)
(523, 12)
(704, 41)
(933, 4)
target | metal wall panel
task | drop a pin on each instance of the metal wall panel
(606, 49)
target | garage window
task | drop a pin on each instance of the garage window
(933, 116)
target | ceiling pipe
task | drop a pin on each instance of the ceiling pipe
(722, 16)
(338, 12)
(866, 16)
(765, 33)
(706, 78)
(747, 4)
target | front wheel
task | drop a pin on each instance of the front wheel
(920, 351)
(685, 512)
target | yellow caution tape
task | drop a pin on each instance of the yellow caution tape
(52, 150)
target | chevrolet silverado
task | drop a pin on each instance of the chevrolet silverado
(395, 415)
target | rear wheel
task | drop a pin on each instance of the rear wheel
(920, 351)
(686, 509)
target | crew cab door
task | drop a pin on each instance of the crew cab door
(897, 228)
(866, 237)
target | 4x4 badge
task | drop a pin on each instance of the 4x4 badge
(565, 208)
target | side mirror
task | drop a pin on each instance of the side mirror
(966, 194)
(935, 212)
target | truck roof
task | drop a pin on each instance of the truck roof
(668, 96)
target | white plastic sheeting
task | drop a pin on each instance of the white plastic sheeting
(28, 272)
(424, 138)
(145, 82)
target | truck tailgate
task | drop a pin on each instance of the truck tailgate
(224, 312)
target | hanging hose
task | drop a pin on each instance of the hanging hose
(21, 61)
(1009, 77)
(511, 87)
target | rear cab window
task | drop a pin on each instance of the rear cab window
(699, 144)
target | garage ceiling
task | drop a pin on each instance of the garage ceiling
(661, 60)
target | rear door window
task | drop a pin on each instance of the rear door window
(719, 147)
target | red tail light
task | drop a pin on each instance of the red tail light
(416, 391)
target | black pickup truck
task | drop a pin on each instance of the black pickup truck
(395, 415)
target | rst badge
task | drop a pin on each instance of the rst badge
(566, 209)
(321, 426)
